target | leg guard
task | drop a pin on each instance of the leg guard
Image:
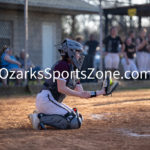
(69, 121)
(55, 120)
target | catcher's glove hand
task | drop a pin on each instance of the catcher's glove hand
(109, 88)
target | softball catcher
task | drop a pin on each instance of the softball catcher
(51, 110)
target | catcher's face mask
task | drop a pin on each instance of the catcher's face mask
(74, 51)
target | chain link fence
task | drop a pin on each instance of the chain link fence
(6, 32)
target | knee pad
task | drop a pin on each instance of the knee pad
(76, 123)
(77, 120)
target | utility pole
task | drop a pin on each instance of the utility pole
(130, 3)
(73, 26)
(26, 34)
(101, 34)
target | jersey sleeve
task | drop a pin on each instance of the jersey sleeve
(62, 70)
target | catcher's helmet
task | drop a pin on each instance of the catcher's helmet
(70, 47)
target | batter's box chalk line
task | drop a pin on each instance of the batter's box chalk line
(132, 134)
(98, 116)
(103, 116)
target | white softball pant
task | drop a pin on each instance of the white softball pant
(45, 103)
(149, 62)
(129, 68)
(143, 61)
(112, 61)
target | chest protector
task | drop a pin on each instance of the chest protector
(52, 85)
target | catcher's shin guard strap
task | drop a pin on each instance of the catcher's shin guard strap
(93, 93)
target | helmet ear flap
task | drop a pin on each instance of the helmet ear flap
(62, 53)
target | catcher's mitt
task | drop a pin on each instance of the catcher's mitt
(109, 88)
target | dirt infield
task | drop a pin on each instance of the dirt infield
(121, 122)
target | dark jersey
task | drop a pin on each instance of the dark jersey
(133, 41)
(112, 45)
(130, 50)
(92, 46)
(64, 68)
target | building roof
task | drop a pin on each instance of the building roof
(141, 10)
(55, 6)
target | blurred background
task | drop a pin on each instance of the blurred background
(31, 29)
